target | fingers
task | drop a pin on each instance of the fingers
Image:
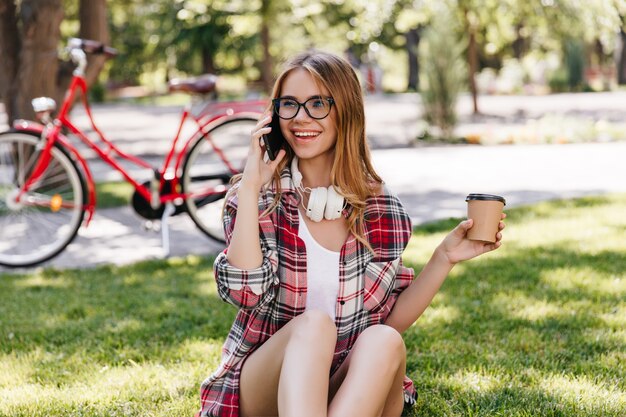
(465, 225)
(461, 229)
(261, 128)
(258, 131)
(279, 157)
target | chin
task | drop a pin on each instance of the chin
(313, 153)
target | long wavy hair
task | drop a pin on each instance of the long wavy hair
(352, 172)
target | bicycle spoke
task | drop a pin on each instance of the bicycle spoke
(46, 217)
(205, 176)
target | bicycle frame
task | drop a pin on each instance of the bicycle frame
(107, 151)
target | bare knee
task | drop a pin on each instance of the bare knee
(387, 342)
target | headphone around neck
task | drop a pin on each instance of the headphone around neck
(323, 202)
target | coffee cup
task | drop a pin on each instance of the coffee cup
(486, 211)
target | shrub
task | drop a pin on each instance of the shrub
(444, 72)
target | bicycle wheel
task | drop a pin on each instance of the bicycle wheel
(204, 177)
(47, 217)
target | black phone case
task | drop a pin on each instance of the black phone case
(274, 140)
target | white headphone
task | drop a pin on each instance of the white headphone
(323, 202)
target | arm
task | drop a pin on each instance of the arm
(453, 249)
(244, 248)
(246, 270)
(417, 297)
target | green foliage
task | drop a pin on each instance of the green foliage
(558, 81)
(166, 38)
(96, 92)
(443, 70)
(575, 64)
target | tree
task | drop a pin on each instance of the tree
(9, 50)
(94, 25)
(621, 54)
(412, 18)
(29, 66)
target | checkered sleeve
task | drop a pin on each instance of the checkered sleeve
(247, 288)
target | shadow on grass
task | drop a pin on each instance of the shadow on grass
(509, 318)
(511, 324)
(113, 315)
(505, 401)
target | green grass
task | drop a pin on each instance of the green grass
(113, 194)
(537, 328)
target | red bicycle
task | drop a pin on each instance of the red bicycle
(46, 186)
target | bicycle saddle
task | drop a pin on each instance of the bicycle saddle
(202, 84)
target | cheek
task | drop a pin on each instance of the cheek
(330, 126)
(284, 125)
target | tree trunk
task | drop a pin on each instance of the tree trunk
(208, 65)
(9, 55)
(267, 76)
(519, 44)
(38, 62)
(472, 58)
(621, 64)
(412, 45)
(93, 25)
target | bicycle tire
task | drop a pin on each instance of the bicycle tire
(203, 173)
(48, 216)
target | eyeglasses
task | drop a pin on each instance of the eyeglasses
(316, 107)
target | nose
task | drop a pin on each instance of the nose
(301, 114)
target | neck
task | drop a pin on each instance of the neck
(316, 171)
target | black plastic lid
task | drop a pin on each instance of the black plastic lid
(488, 197)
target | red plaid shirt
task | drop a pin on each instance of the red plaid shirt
(274, 293)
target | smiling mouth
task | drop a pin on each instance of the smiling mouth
(306, 135)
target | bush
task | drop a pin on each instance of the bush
(575, 64)
(444, 72)
(558, 81)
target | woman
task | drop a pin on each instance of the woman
(322, 301)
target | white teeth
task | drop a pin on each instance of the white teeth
(304, 134)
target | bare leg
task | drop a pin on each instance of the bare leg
(369, 382)
(288, 374)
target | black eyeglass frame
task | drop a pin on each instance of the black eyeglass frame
(276, 105)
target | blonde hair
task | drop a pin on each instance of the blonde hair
(352, 172)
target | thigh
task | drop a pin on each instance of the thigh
(375, 367)
(261, 372)
(374, 340)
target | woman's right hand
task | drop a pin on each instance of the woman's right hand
(257, 172)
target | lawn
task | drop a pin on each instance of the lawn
(537, 328)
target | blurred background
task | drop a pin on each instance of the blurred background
(439, 49)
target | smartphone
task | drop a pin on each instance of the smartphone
(274, 141)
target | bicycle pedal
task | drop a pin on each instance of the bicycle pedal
(152, 226)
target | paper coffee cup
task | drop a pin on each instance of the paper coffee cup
(486, 211)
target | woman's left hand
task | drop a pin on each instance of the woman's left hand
(456, 247)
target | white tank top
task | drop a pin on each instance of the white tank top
(322, 273)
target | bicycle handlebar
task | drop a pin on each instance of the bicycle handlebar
(91, 47)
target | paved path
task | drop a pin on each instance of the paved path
(431, 181)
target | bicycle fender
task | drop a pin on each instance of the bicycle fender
(34, 128)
